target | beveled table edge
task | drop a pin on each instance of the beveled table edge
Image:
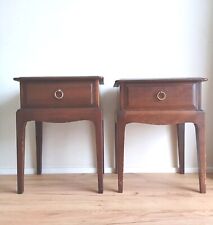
(159, 80)
(58, 78)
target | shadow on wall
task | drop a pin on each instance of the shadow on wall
(173, 136)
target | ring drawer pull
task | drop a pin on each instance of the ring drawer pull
(161, 95)
(59, 94)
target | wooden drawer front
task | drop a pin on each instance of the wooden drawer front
(59, 94)
(180, 96)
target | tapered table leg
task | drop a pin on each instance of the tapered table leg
(99, 152)
(116, 149)
(181, 146)
(103, 143)
(38, 126)
(20, 132)
(201, 152)
(120, 153)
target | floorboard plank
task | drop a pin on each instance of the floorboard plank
(72, 199)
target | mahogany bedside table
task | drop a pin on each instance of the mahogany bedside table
(57, 100)
(161, 102)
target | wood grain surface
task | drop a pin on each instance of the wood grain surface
(148, 199)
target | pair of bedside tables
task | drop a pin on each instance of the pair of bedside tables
(67, 99)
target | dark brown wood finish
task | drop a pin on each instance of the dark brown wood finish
(39, 131)
(181, 146)
(161, 102)
(163, 80)
(61, 92)
(58, 100)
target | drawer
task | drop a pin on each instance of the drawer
(59, 94)
(162, 96)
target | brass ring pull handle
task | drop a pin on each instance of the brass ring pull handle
(161, 95)
(59, 94)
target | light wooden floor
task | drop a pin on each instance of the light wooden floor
(148, 199)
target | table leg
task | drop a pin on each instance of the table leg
(103, 142)
(201, 152)
(116, 149)
(99, 152)
(38, 126)
(181, 146)
(20, 134)
(120, 153)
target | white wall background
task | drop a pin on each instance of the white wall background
(115, 39)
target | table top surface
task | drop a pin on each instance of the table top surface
(58, 78)
(160, 80)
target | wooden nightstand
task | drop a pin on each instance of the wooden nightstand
(161, 102)
(57, 100)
